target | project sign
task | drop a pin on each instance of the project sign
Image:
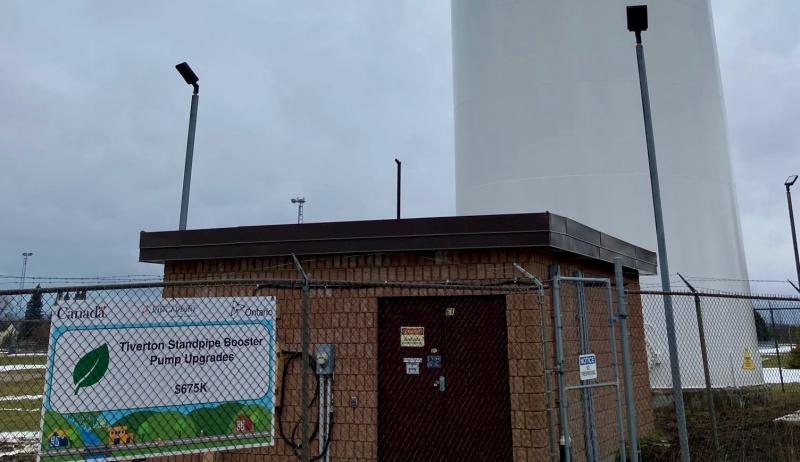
(138, 379)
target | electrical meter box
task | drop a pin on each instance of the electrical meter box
(323, 358)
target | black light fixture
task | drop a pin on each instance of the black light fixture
(790, 181)
(637, 18)
(188, 75)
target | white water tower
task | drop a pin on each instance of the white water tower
(548, 116)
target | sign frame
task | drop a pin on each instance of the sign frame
(96, 346)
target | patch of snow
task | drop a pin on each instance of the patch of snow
(10, 437)
(772, 375)
(21, 367)
(20, 447)
(20, 397)
(27, 449)
(771, 350)
(790, 418)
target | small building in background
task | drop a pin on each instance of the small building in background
(438, 339)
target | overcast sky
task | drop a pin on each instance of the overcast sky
(309, 98)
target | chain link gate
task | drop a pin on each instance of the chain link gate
(587, 368)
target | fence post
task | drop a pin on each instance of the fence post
(555, 287)
(627, 367)
(305, 343)
(704, 354)
(589, 424)
(775, 340)
(551, 439)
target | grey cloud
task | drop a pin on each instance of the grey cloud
(296, 98)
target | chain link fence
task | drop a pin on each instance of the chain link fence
(740, 384)
(215, 371)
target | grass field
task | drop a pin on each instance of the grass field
(772, 361)
(20, 414)
(22, 359)
(20, 399)
(747, 432)
(32, 386)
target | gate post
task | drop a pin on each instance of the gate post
(551, 439)
(627, 367)
(304, 341)
(562, 392)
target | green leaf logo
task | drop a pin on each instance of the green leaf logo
(91, 368)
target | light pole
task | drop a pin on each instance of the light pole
(789, 182)
(25, 256)
(299, 201)
(191, 78)
(637, 22)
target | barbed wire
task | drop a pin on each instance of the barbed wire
(80, 278)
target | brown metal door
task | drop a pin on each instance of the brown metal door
(478, 395)
(410, 408)
(464, 416)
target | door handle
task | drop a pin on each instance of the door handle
(439, 383)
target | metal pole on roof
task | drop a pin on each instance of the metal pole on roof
(399, 167)
(637, 22)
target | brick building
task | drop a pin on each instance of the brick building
(489, 340)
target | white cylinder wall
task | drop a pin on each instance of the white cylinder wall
(548, 117)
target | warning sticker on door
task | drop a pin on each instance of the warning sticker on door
(588, 366)
(412, 337)
(412, 365)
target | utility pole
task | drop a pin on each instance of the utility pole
(25, 256)
(299, 201)
(637, 22)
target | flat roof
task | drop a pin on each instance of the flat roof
(545, 231)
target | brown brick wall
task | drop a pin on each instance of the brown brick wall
(348, 318)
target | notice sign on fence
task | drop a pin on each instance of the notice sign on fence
(139, 379)
(588, 366)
